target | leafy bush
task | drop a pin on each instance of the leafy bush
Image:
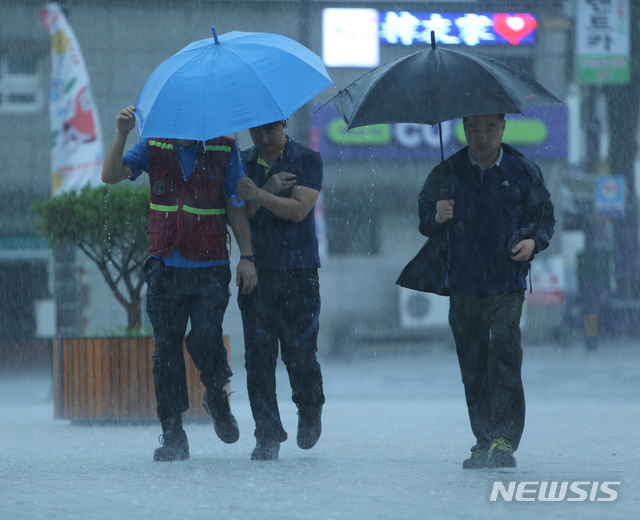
(109, 224)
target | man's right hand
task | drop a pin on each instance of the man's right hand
(126, 120)
(444, 211)
(113, 169)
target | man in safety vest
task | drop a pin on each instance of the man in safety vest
(188, 272)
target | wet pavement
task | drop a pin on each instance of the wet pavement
(395, 434)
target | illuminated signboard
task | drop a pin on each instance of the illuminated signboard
(405, 28)
(541, 133)
(350, 38)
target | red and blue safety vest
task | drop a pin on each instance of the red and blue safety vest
(191, 214)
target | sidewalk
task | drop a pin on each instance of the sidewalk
(395, 434)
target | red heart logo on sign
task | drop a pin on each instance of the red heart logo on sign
(514, 27)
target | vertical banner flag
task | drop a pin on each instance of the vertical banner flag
(76, 146)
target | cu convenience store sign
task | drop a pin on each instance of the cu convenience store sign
(541, 133)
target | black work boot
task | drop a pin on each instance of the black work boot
(174, 441)
(309, 425)
(216, 404)
(267, 449)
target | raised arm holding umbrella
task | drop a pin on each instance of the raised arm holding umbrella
(187, 272)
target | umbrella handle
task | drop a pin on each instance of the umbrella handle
(235, 203)
(244, 170)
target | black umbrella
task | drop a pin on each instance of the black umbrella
(437, 85)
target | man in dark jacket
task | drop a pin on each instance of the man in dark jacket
(488, 208)
(283, 182)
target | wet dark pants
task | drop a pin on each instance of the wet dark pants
(488, 344)
(175, 295)
(282, 310)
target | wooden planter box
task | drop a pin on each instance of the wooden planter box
(111, 379)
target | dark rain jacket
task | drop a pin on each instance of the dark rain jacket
(427, 272)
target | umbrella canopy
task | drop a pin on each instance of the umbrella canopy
(437, 85)
(218, 86)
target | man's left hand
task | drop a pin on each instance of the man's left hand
(523, 249)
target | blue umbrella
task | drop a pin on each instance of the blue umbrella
(218, 86)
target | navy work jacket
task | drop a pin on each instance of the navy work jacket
(279, 243)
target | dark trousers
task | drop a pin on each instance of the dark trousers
(488, 344)
(282, 310)
(175, 295)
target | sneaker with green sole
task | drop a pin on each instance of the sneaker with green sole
(501, 454)
(478, 459)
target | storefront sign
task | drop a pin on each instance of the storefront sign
(542, 133)
(471, 29)
(610, 195)
(603, 35)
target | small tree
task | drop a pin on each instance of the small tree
(109, 224)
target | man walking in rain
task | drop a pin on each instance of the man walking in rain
(188, 271)
(283, 184)
(489, 204)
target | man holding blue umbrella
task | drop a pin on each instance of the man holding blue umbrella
(283, 184)
(211, 88)
(187, 273)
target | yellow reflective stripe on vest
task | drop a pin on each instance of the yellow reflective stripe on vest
(199, 211)
(209, 148)
(189, 209)
(160, 144)
(159, 207)
(217, 148)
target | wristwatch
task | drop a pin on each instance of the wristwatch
(251, 258)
